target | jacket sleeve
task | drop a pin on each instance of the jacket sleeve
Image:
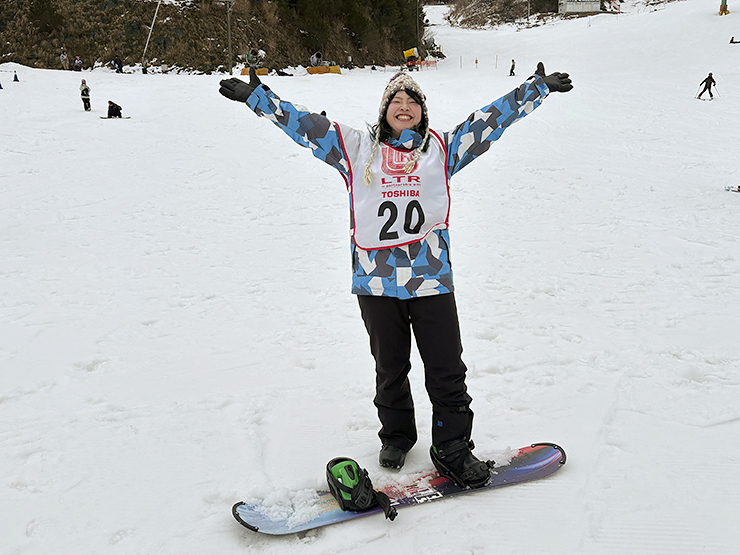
(307, 129)
(474, 136)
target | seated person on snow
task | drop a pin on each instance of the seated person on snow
(114, 110)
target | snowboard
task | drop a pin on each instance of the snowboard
(528, 463)
(122, 117)
(733, 188)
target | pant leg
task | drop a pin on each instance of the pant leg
(387, 323)
(437, 332)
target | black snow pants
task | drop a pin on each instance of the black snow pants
(389, 322)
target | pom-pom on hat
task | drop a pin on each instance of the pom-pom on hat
(400, 82)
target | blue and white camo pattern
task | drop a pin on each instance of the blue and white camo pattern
(422, 268)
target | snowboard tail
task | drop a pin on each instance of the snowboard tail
(536, 461)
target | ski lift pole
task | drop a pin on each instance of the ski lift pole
(143, 56)
(229, 5)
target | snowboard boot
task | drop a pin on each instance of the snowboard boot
(391, 457)
(455, 460)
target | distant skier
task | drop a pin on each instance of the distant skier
(85, 94)
(64, 59)
(708, 82)
(511, 71)
(114, 110)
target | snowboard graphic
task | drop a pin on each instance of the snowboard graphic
(530, 463)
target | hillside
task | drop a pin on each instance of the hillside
(193, 33)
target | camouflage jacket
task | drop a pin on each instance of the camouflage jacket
(424, 267)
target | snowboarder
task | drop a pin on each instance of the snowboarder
(255, 57)
(511, 71)
(85, 94)
(397, 175)
(118, 64)
(78, 64)
(64, 59)
(114, 110)
(708, 82)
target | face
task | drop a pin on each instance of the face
(403, 113)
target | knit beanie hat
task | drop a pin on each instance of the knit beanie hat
(400, 82)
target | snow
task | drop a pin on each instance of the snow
(177, 332)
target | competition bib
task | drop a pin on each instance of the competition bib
(399, 208)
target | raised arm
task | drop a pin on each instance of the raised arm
(474, 136)
(307, 129)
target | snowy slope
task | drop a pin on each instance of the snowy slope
(177, 333)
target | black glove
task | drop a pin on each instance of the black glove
(556, 82)
(236, 89)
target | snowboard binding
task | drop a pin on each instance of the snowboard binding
(352, 488)
(455, 461)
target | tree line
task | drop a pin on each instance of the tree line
(192, 34)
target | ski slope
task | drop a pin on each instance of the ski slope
(177, 332)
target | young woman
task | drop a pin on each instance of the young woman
(397, 175)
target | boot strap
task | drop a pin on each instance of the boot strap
(456, 447)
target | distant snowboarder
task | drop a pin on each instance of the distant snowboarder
(511, 71)
(114, 110)
(85, 94)
(708, 82)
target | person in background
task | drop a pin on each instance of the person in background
(708, 82)
(114, 110)
(85, 94)
(64, 59)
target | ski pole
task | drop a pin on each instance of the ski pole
(697, 92)
(717, 91)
